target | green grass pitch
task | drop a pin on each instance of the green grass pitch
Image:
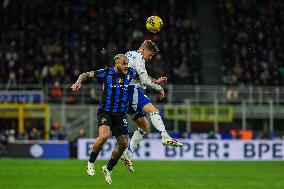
(71, 174)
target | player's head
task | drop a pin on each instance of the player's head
(148, 49)
(121, 63)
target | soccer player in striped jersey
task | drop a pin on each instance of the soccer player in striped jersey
(140, 103)
(112, 112)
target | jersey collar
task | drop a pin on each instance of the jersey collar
(113, 72)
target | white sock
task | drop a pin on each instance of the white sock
(135, 140)
(158, 123)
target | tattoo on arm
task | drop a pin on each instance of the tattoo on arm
(85, 75)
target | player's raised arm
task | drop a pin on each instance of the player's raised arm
(146, 80)
(82, 77)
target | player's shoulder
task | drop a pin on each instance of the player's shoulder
(134, 55)
(103, 71)
(106, 69)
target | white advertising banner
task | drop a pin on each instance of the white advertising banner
(152, 149)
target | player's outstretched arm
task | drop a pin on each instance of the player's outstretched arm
(146, 80)
(160, 80)
(76, 86)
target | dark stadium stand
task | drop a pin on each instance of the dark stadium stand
(252, 42)
(47, 41)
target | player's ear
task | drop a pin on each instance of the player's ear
(115, 62)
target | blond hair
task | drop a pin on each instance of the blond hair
(150, 45)
(120, 56)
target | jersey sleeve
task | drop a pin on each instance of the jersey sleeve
(101, 74)
(144, 77)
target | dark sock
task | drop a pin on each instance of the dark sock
(93, 157)
(111, 163)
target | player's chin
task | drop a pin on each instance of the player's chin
(124, 71)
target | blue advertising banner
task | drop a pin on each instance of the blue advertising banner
(21, 96)
(39, 149)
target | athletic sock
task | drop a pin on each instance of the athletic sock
(111, 163)
(93, 156)
(158, 123)
(135, 140)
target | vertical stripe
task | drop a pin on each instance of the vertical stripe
(105, 91)
(117, 94)
(120, 95)
(108, 94)
(112, 93)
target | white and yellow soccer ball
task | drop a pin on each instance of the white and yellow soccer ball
(154, 24)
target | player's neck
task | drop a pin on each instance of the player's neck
(116, 70)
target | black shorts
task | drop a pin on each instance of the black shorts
(116, 121)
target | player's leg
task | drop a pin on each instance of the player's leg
(138, 117)
(119, 129)
(104, 122)
(137, 136)
(122, 142)
(104, 133)
(139, 101)
(159, 125)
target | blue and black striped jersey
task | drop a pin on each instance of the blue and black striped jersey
(115, 89)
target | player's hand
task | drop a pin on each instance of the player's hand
(162, 94)
(76, 86)
(161, 80)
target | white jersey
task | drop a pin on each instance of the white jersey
(137, 62)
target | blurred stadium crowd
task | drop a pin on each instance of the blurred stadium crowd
(56, 40)
(253, 41)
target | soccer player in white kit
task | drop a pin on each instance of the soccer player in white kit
(140, 103)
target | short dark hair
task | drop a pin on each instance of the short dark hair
(149, 44)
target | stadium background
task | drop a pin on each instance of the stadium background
(225, 67)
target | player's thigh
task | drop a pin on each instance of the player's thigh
(143, 100)
(143, 123)
(137, 99)
(150, 108)
(104, 132)
(104, 124)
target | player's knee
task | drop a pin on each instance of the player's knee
(145, 127)
(123, 145)
(143, 124)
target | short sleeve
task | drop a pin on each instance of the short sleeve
(101, 74)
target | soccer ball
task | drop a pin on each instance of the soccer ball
(154, 24)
